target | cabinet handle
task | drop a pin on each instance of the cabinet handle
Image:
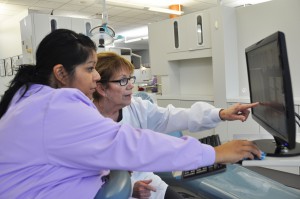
(176, 36)
(199, 30)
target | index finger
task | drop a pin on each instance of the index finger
(251, 105)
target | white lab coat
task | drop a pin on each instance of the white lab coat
(143, 114)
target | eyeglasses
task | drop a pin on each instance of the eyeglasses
(124, 81)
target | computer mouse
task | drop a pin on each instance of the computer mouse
(262, 156)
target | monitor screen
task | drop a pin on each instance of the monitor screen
(270, 84)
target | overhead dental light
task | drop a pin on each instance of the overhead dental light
(104, 34)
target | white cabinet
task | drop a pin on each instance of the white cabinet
(34, 28)
(159, 40)
(44, 24)
(26, 37)
(84, 25)
(191, 67)
(190, 32)
(185, 37)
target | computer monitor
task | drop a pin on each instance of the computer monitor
(270, 84)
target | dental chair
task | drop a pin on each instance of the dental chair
(144, 95)
(118, 186)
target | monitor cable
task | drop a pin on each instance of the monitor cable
(298, 117)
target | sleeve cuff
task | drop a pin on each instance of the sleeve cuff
(216, 115)
(208, 155)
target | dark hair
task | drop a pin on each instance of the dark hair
(61, 46)
(108, 64)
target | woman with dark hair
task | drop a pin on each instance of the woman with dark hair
(54, 143)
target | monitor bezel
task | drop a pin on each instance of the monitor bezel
(289, 140)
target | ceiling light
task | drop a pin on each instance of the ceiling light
(135, 39)
(135, 32)
(144, 6)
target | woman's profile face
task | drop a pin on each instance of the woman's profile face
(86, 77)
(119, 95)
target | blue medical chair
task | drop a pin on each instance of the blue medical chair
(143, 95)
(118, 186)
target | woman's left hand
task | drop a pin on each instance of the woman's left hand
(142, 189)
(237, 112)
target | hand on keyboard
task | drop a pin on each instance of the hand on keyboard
(214, 141)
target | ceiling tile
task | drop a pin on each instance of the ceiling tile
(49, 4)
(122, 14)
(71, 7)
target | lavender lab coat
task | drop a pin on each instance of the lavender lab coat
(55, 144)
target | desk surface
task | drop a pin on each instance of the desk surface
(274, 161)
(285, 164)
(241, 182)
(288, 179)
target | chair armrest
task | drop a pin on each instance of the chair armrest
(117, 187)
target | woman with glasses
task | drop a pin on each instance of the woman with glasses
(113, 98)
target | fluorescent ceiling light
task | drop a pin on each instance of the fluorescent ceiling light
(164, 10)
(144, 6)
(126, 4)
(136, 32)
(135, 39)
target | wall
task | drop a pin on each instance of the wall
(258, 21)
(196, 72)
(144, 54)
(10, 43)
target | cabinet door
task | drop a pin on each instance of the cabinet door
(28, 50)
(41, 25)
(44, 24)
(62, 22)
(159, 41)
(84, 26)
(190, 32)
(177, 35)
(197, 31)
(80, 26)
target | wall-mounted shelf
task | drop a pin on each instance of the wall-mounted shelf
(191, 54)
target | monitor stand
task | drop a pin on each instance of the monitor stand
(270, 147)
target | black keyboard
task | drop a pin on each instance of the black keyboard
(212, 140)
